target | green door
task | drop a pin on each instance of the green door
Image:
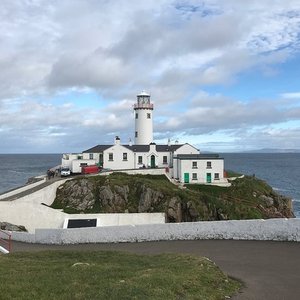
(208, 177)
(152, 161)
(186, 178)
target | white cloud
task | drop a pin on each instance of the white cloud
(294, 95)
(117, 48)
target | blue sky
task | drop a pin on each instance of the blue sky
(223, 75)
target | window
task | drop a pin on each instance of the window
(217, 176)
(148, 116)
(124, 156)
(140, 159)
(136, 115)
(79, 157)
(83, 164)
(194, 176)
(194, 165)
(208, 165)
(111, 156)
(165, 159)
(136, 134)
(91, 156)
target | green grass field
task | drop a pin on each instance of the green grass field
(111, 275)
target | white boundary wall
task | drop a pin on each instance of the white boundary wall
(146, 171)
(272, 229)
(119, 219)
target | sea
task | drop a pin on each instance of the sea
(280, 170)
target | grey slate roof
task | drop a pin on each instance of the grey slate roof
(97, 149)
(136, 148)
(197, 156)
(166, 148)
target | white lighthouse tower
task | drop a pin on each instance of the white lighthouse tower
(143, 119)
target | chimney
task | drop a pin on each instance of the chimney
(130, 142)
(117, 140)
(169, 142)
(152, 147)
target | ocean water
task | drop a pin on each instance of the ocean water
(15, 169)
(280, 170)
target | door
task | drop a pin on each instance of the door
(208, 177)
(152, 161)
(101, 160)
(186, 178)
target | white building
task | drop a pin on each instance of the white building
(182, 161)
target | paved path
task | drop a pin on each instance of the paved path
(270, 270)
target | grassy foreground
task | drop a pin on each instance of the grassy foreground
(111, 275)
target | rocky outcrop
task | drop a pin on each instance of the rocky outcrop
(247, 198)
(149, 199)
(87, 196)
(77, 194)
(11, 227)
(113, 200)
(276, 206)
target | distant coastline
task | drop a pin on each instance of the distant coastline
(271, 150)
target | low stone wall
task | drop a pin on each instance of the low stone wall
(146, 171)
(272, 229)
(23, 237)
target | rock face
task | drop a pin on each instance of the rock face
(113, 200)
(11, 227)
(277, 206)
(149, 199)
(87, 196)
(78, 195)
(124, 193)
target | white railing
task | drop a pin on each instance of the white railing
(5, 239)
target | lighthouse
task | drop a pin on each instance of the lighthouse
(143, 119)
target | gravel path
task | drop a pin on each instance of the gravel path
(270, 270)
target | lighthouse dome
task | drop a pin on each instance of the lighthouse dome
(143, 93)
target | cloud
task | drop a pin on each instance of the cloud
(295, 95)
(173, 49)
(208, 113)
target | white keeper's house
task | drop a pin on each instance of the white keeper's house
(182, 162)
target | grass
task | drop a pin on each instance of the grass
(111, 275)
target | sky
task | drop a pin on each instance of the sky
(223, 75)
